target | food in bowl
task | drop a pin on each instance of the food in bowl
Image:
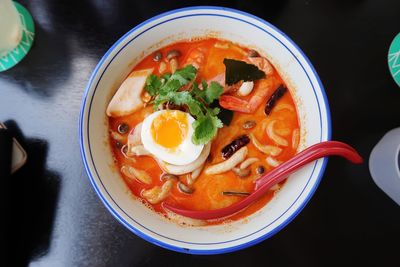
(251, 32)
(197, 122)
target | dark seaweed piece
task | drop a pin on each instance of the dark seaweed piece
(225, 115)
(234, 146)
(274, 98)
(237, 70)
(235, 193)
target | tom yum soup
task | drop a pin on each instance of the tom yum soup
(197, 122)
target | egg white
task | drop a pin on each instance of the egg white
(185, 153)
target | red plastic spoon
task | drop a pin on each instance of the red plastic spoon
(330, 148)
(277, 175)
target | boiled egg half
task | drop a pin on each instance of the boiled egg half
(167, 134)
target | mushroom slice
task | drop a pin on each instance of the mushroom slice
(127, 98)
(139, 175)
(274, 136)
(295, 138)
(173, 64)
(192, 177)
(283, 131)
(248, 162)
(266, 149)
(228, 164)
(242, 173)
(184, 188)
(158, 193)
(117, 136)
(272, 162)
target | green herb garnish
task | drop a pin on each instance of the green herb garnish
(166, 89)
(206, 128)
(225, 115)
(208, 93)
(153, 84)
(237, 70)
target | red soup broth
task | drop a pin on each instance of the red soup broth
(209, 54)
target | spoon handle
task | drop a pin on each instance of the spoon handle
(277, 175)
(314, 152)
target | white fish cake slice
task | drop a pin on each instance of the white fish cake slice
(127, 98)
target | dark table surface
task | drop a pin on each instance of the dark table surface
(56, 219)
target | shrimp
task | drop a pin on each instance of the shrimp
(261, 63)
(220, 78)
(196, 57)
(237, 104)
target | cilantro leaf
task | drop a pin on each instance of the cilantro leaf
(214, 111)
(165, 77)
(208, 93)
(153, 84)
(178, 79)
(166, 89)
(181, 98)
(195, 107)
(185, 74)
(170, 86)
(213, 92)
(205, 129)
(196, 91)
(160, 99)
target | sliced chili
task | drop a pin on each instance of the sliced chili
(234, 146)
(274, 98)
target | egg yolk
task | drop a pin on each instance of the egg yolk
(170, 128)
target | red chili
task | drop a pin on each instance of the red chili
(279, 92)
(234, 146)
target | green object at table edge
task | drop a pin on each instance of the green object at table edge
(394, 59)
(15, 55)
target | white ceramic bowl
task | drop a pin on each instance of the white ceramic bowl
(239, 27)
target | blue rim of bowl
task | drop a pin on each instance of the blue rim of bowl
(205, 251)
